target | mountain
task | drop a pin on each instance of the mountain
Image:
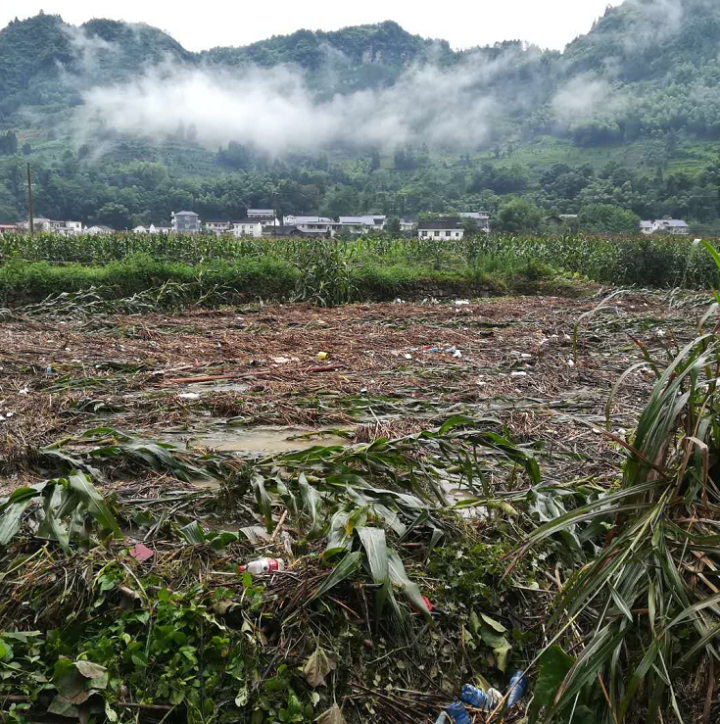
(364, 118)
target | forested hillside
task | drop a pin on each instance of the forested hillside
(122, 125)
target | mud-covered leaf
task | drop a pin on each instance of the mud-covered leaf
(331, 716)
(97, 674)
(317, 667)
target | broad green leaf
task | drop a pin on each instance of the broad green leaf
(373, 540)
(554, 665)
(93, 501)
(264, 502)
(409, 588)
(193, 533)
(496, 625)
(349, 565)
(499, 644)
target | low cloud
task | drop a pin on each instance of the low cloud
(585, 97)
(276, 111)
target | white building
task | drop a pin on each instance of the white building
(186, 222)
(406, 225)
(63, 228)
(264, 215)
(152, 229)
(481, 219)
(317, 225)
(362, 224)
(441, 229)
(218, 227)
(247, 227)
(676, 227)
(99, 230)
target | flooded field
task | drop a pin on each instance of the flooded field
(397, 458)
(259, 379)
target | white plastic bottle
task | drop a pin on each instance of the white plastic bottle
(263, 565)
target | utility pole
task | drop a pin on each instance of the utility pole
(30, 200)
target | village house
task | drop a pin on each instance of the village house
(676, 227)
(63, 228)
(99, 230)
(152, 229)
(562, 223)
(247, 227)
(314, 225)
(362, 224)
(481, 219)
(441, 229)
(186, 222)
(9, 228)
(218, 227)
(267, 216)
(407, 225)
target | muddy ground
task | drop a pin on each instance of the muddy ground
(233, 379)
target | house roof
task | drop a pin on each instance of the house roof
(295, 220)
(254, 222)
(441, 224)
(675, 222)
(646, 224)
(185, 213)
(480, 215)
(217, 222)
(261, 212)
(369, 219)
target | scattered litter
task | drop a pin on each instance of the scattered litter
(49, 370)
(518, 374)
(458, 713)
(24, 391)
(462, 302)
(571, 362)
(407, 356)
(525, 355)
(363, 391)
(323, 355)
(483, 700)
(516, 688)
(427, 603)
(263, 565)
(189, 396)
(457, 354)
(141, 553)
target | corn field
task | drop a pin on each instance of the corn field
(661, 262)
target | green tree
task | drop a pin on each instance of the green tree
(608, 219)
(9, 143)
(519, 216)
(393, 226)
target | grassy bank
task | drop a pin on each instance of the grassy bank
(216, 282)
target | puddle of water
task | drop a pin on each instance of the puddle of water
(261, 440)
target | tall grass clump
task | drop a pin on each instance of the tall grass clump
(643, 614)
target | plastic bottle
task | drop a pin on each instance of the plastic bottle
(263, 565)
(516, 689)
(458, 713)
(483, 700)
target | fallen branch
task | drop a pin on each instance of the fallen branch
(242, 375)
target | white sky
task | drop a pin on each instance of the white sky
(209, 23)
